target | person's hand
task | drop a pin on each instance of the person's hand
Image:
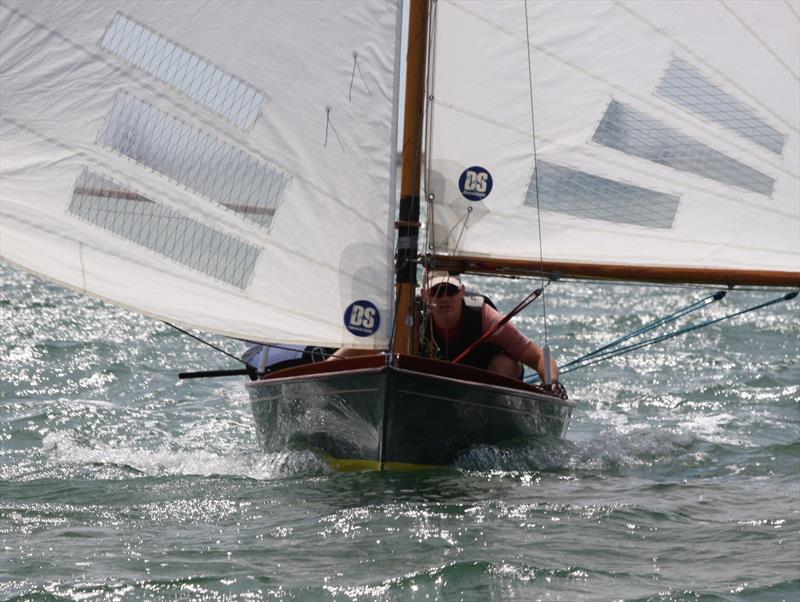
(558, 390)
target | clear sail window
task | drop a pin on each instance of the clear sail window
(634, 133)
(121, 211)
(216, 170)
(206, 84)
(687, 87)
(580, 194)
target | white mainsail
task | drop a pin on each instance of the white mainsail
(227, 166)
(666, 135)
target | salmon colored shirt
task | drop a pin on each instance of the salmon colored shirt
(513, 342)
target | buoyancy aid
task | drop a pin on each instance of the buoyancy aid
(436, 346)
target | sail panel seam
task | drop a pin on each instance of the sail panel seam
(645, 100)
(87, 158)
(699, 59)
(758, 38)
(154, 87)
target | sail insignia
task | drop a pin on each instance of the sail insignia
(362, 318)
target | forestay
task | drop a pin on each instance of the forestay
(666, 137)
(227, 166)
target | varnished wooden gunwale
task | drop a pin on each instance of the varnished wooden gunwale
(410, 363)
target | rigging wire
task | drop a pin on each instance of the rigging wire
(427, 133)
(463, 221)
(692, 307)
(532, 296)
(320, 351)
(546, 347)
(430, 197)
(196, 338)
(685, 330)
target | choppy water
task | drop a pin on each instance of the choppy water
(679, 479)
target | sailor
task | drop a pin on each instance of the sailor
(456, 320)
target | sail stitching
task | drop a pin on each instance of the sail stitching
(169, 145)
(147, 84)
(112, 170)
(633, 132)
(169, 233)
(688, 88)
(793, 10)
(761, 41)
(210, 86)
(594, 76)
(292, 311)
(587, 152)
(699, 59)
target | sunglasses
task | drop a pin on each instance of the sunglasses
(444, 290)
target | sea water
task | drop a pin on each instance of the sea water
(679, 478)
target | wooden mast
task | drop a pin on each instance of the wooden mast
(407, 225)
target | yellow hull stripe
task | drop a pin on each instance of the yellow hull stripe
(346, 465)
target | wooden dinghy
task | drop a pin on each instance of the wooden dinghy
(398, 412)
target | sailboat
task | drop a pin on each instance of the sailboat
(230, 167)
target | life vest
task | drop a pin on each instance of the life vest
(436, 346)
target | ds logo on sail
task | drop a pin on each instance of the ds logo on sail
(475, 183)
(362, 318)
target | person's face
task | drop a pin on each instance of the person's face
(446, 302)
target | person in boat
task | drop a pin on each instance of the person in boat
(457, 320)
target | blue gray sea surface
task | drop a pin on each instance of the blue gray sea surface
(679, 478)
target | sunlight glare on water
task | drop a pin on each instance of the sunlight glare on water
(678, 479)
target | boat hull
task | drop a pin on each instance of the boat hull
(399, 417)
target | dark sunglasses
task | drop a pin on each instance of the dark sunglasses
(445, 290)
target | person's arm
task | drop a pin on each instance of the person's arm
(346, 352)
(521, 348)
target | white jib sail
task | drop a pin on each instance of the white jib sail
(227, 166)
(666, 132)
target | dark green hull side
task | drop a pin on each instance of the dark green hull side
(388, 417)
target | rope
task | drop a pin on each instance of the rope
(535, 168)
(196, 338)
(427, 133)
(652, 325)
(520, 306)
(598, 357)
(546, 346)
